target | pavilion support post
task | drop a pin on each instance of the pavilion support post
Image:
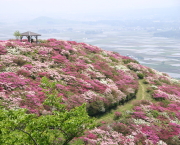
(36, 39)
(29, 39)
(21, 38)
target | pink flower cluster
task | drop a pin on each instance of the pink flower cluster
(2, 50)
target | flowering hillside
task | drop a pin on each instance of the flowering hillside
(81, 73)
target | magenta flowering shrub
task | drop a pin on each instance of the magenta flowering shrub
(167, 90)
(33, 102)
(171, 89)
(134, 66)
(10, 44)
(10, 81)
(2, 50)
(92, 136)
(140, 115)
(160, 95)
(28, 66)
(60, 59)
(151, 133)
(117, 115)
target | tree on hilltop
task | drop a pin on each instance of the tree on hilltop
(17, 34)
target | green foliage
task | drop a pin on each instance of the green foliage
(58, 127)
(160, 99)
(151, 71)
(117, 115)
(165, 81)
(125, 119)
(95, 107)
(150, 90)
(145, 82)
(42, 41)
(165, 103)
(126, 61)
(157, 83)
(77, 142)
(140, 76)
(154, 113)
(17, 34)
(114, 59)
(121, 128)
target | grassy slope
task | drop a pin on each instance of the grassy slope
(141, 95)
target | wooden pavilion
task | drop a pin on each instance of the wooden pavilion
(29, 36)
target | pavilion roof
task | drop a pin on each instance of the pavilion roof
(29, 33)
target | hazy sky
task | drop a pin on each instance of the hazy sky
(30, 8)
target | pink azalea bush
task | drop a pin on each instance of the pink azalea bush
(2, 50)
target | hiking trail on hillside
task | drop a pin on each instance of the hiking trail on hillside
(141, 95)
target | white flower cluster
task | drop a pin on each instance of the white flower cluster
(11, 69)
(128, 112)
(65, 52)
(121, 67)
(161, 143)
(177, 121)
(158, 73)
(174, 81)
(40, 65)
(90, 67)
(68, 78)
(100, 75)
(146, 108)
(25, 49)
(104, 53)
(164, 114)
(88, 95)
(141, 121)
(54, 74)
(108, 91)
(174, 97)
(104, 81)
(7, 59)
(14, 51)
(154, 87)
